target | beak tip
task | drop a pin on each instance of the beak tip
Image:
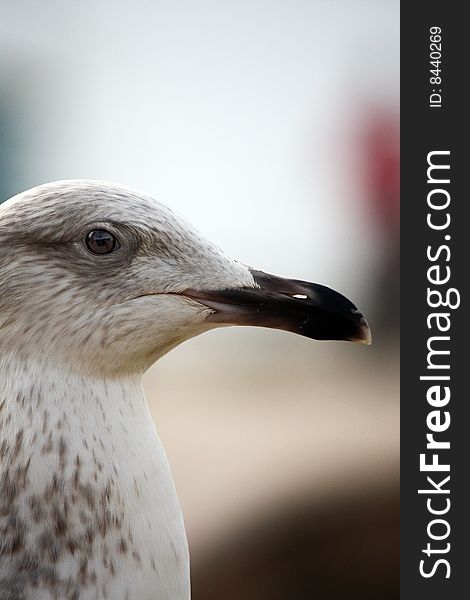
(365, 336)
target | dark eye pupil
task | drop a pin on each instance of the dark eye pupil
(100, 241)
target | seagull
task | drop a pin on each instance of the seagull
(97, 282)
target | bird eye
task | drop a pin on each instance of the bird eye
(100, 241)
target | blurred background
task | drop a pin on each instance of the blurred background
(273, 127)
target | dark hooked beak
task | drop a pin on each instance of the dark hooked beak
(309, 309)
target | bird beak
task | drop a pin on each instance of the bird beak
(308, 309)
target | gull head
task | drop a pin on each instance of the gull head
(107, 280)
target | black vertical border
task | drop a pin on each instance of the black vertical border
(424, 129)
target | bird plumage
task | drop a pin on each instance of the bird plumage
(88, 508)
